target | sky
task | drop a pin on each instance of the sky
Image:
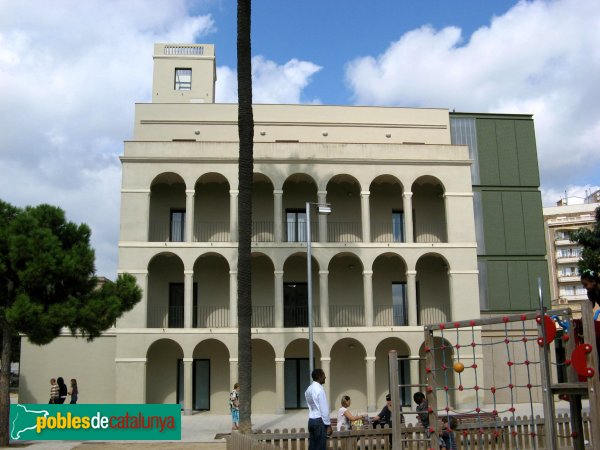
(71, 72)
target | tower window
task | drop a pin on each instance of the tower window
(183, 79)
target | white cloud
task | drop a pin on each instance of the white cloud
(70, 73)
(541, 57)
(271, 83)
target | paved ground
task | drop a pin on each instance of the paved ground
(199, 431)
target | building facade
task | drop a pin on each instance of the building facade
(563, 254)
(421, 225)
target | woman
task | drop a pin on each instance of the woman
(62, 390)
(591, 282)
(74, 392)
(345, 417)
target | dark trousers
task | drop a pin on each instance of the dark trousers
(317, 434)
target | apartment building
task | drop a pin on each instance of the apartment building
(563, 254)
(435, 216)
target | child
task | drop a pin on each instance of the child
(447, 438)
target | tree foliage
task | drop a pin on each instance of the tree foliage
(47, 283)
(589, 239)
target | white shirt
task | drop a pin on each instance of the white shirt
(342, 419)
(318, 407)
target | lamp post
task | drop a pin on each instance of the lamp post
(322, 209)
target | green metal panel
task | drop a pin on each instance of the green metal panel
(513, 223)
(488, 152)
(527, 153)
(518, 286)
(497, 285)
(537, 269)
(493, 222)
(508, 161)
(533, 223)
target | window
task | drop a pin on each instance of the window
(176, 299)
(183, 79)
(295, 304)
(399, 304)
(398, 226)
(297, 377)
(177, 225)
(296, 225)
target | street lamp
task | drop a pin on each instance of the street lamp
(323, 209)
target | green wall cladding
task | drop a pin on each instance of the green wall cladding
(513, 222)
(513, 284)
(507, 152)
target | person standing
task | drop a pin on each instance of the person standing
(53, 391)
(423, 409)
(62, 390)
(319, 424)
(74, 392)
(234, 406)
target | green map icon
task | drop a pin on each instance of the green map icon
(23, 420)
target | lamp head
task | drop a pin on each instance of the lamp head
(324, 209)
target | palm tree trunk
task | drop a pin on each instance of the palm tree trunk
(5, 355)
(246, 162)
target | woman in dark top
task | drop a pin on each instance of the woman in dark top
(74, 392)
(591, 283)
(62, 390)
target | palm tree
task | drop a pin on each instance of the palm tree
(246, 161)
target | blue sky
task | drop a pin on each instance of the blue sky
(71, 72)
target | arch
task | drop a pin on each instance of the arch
(211, 208)
(211, 291)
(296, 371)
(344, 224)
(390, 294)
(165, 302)
(217, 387)
(387, 209)
(162, 359)
(264, 395)
(429, 210)
(433, 289)
(348, 353)
(404, 368)
(166, 222)
(295, 292)
(346, 293)
(443, 356)
(298, 189)
(262, 209)
(263, 291)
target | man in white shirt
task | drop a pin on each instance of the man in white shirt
(319, 425)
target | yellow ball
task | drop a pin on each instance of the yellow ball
(459, 367)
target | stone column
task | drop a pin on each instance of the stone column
(408, 217)
(233, 298)
(411, 294)
(233, 372)
(189, 214)
(325, 365)
(280, 385)
(324, 298)
(322, 198)
(368, 296)
(188, 385)
(278, 215)
(371, 400)
(415, 374)
(188, 298)
(365, 210)
(233, 215)
(278, 310)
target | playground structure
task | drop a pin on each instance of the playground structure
(454, 377)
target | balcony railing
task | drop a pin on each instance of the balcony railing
(165, 317)
(211, 232)
(346, 315)
(386, 232)
(262, 317)
(296, 231)
(344, 232)
(160, 231)
(297, 316)
(431, 232)
(429, 316)
(262, 232)
(210, 317)
(388, 315)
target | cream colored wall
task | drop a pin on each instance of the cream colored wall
(212, 202)
(434, 289)
(263, 284)
(348, 375)
(92, 364)
(161, 372)
(211, 272)
(264, 398)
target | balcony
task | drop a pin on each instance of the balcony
(568, 278)
(160, 231)
(173, 317)
(346, 316)
(297, 316)
(262, 232)
(344, 231)
(388, 315)
(568, 259)
(431, 233)
(211, 232)
(263, 317)
(386, 232)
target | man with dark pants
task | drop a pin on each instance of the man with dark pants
(319, 425)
